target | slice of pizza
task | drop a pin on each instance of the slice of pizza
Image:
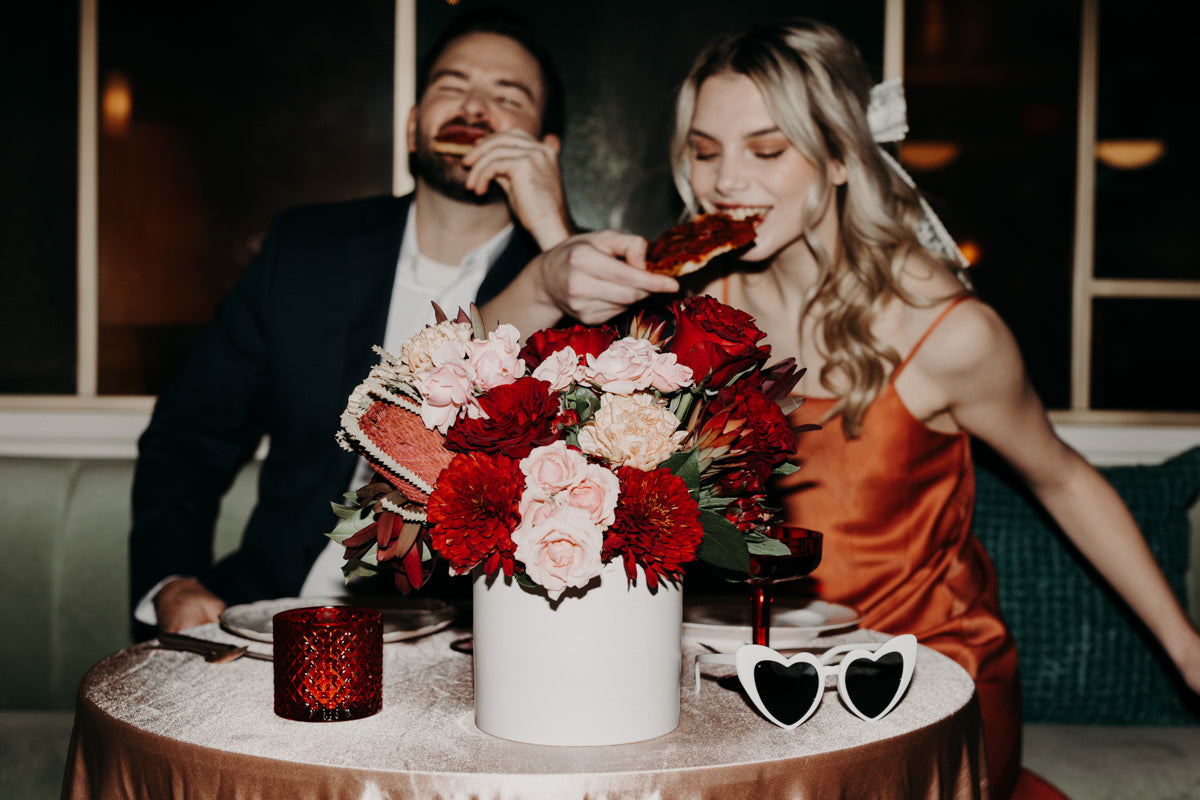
(458, 141)
(688, 246)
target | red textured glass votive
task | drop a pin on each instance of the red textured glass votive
(328, 663)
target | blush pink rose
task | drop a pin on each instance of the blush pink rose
(444, 391)
(597, 494)
(496, 361)
(630, 365)
(560, 369)
(553, 468)
(625, 367)
(560, 551)
(533, 509)
(668, 375)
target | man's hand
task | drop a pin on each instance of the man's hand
(185, 603)
(527, 170)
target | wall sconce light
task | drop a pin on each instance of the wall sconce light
(927, 156)
(116, 105)
(1129, 154)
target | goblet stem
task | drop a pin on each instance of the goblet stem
(761, 620)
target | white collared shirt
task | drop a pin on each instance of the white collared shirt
(420, 282)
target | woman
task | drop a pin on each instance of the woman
(904, 364)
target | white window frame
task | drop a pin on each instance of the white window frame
(89, 425)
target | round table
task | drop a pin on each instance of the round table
(159, 723)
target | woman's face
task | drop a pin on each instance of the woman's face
(741, 160)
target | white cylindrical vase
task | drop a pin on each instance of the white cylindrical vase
(596, 667)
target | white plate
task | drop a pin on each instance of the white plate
(725, 620)
(403, 618)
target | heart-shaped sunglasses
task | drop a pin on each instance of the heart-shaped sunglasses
(871, 678)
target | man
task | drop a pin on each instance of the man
(295, 335)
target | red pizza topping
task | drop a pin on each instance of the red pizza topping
(689, 246)
(458, 141)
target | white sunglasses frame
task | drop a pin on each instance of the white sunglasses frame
(748, 655)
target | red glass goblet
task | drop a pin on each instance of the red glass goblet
(328, 663)
(765, 571)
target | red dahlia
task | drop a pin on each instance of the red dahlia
(657, 525)
(473, 511)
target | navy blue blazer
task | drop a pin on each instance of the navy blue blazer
(287, 346)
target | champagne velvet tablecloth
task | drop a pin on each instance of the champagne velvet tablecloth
(153, 723)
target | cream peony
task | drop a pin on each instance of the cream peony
(417, 352)
(560, 550)
(632, 431)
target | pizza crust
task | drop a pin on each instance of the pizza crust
(452, 148)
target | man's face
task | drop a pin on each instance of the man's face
(482, 80)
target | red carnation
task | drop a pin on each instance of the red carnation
(766, 439)
(657, 525)
(473, 512)
(713, 338)
(583, 340)
(519, 417)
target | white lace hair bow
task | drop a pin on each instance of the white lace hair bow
(887, 116)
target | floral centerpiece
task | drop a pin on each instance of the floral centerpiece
(650, 441)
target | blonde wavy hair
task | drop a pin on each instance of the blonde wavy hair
(816, 88)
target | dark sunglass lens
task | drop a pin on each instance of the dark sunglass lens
(872, 684)
(787, 692)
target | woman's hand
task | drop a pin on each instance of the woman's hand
(590, 277)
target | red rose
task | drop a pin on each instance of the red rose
(715, 339)
(520, 416)
(583, 340)
(474, 510)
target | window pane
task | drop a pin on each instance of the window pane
(992, 84)
(1143, 355)
(1146, 203)
(216, 116)
(620, 79)
(39, 58)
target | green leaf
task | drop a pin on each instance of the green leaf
(348, 526)
(361, 567)
(786, 468)
(723, 545)
(349, 508)
(685, 464)
(766, 546)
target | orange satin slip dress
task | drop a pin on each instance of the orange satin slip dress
(895, 507)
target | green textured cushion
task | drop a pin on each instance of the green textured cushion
(1084, 657)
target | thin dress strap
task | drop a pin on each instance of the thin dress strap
(953, 305)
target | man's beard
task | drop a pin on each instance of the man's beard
(443, 174)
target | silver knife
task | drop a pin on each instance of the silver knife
(214, 652)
